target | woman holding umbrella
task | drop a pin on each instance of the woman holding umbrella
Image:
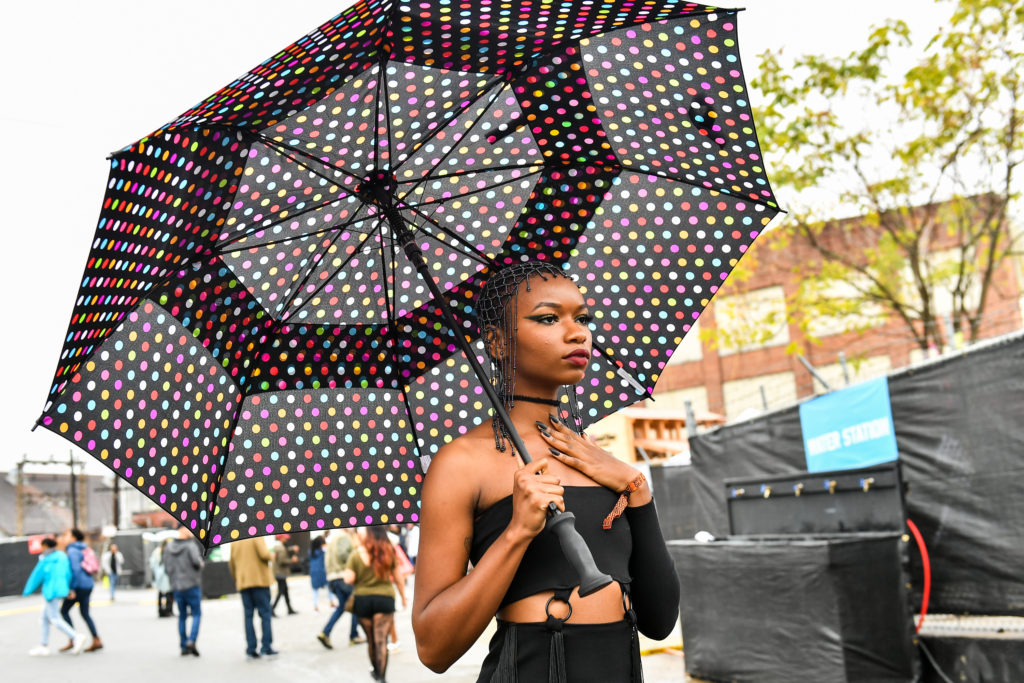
(481, 505)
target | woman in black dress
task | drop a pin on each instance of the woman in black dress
(482, 506)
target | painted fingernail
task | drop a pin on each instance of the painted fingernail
(541, 426)
(555, 451)
(555, 420)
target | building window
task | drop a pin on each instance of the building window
(743, 396)
(751, 320)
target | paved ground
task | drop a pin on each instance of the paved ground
(141, 647)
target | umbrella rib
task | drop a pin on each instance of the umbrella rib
(659, 174)
(214, 506)
(454, 115)
(344, 264)
(392, 332)
(539, 167)
(309, 273)
(389, 303)
(470, 250)
(622, 371)
(253, 231)
(494, 97)
(383, 90)
(600, 165)
(346, 225)
(289, 151)
(473, 171)
(381, 77)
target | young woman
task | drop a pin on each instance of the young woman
(481, 505)
(318, 569)
(373, 571)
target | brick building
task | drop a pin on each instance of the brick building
(742, 379)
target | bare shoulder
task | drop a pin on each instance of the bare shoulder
(456, 469)
(471, 469)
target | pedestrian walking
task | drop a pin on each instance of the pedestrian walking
(481, 505)
(250, 566)
(412, 542)
(336, 556)
(184, 565)
(284, 558)
(52, 575)
(372, 569)
(317, 569)
(164, 595)
(112, 562)
(83, 563)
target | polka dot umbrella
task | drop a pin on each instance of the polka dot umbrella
(257, 344)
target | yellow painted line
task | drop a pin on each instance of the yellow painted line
(92, 603)
(665, 648)
(20, 610)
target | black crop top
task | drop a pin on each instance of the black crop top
(633, 552)
(543, 566)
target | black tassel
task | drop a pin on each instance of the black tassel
(637, 675)
(507, 661)
(556, 658)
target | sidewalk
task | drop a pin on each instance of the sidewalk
(139, 646)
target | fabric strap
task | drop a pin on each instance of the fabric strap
(616, 512)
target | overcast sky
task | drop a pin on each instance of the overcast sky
(83, 79)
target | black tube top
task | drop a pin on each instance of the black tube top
(543, 566)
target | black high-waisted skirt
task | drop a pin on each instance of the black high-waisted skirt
(592, 652)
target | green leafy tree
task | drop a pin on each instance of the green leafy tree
(928, 160)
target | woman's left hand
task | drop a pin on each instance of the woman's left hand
(583, 454)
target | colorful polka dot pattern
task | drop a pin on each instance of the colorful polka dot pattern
(684, 116)
(302, 182)
(302, 461)
(158, 410)
(251, 346)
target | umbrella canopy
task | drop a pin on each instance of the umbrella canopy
(251, 346)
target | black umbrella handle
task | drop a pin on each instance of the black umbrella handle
(561, 523)
(576, 551)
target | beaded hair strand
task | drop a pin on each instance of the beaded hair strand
(497, 309)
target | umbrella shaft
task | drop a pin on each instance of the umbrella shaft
(415, 255)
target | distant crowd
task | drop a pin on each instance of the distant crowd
(360, 571)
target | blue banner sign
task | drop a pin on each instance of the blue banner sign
(850, 428)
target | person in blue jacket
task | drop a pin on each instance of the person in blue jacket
(318, 569)
(81, 588)
(52, 574)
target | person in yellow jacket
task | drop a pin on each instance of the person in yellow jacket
(250, 567)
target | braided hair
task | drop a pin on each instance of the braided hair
(497, 312)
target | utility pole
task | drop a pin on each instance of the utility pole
(74, 492)
(846, 371)
(20, 497)
(19, 500)
(691, 419)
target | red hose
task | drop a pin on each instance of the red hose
(926, 565)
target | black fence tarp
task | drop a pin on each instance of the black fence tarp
(16, 563)
(823, 609)
(960, 433)
(672, 486)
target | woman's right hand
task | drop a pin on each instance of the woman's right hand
(532, 490)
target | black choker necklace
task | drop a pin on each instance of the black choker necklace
(533, 399)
